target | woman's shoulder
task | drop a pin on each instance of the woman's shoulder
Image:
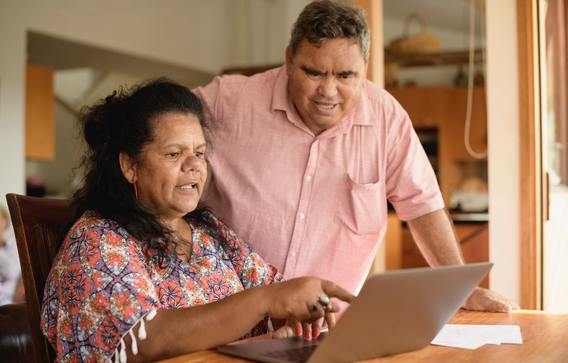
(92, 224)
(94, 238)
(208, 215)
(89, 219)
(209, 227)
(207, 218)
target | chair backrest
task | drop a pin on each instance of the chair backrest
(38, 223)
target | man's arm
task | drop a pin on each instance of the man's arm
(435, 237)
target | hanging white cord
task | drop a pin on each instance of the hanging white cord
(470, 87)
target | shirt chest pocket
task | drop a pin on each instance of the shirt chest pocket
(362, 207)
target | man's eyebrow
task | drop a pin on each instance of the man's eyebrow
(310, 70)
(314, 71)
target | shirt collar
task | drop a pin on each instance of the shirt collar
(280, 94)
(282, 101)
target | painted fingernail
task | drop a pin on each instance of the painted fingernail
(307, 335)
(316, 333)
(298, 331)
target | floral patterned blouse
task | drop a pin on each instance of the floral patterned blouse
(103, 281)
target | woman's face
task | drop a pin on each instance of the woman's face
(173, 171)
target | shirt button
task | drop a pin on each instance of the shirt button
(293, 254)
(302, 216)
(309, 178)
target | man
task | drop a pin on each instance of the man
(306, 155)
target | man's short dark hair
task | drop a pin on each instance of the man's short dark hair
(325, 19)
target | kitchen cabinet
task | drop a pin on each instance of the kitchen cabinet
(455, 122)
(426, 107)
(444, 109)
(388, 256)
(40, 113)
(474, 242)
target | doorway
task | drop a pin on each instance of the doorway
(82, 74)
(554, 130)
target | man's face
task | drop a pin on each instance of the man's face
(326, 82)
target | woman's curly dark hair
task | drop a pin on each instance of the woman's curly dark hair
(125, 122)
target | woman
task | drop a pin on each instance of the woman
(146, 273)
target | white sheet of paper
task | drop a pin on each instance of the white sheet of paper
(457, 333)
(475, 336)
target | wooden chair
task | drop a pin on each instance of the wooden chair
(37, 224)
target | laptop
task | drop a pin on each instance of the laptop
(395, 312)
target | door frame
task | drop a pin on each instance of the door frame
(530, 155)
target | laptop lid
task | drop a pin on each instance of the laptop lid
(395, 312)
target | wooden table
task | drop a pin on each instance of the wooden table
(545, 339)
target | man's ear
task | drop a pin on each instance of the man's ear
(289, 60)
(128, 167)
(366, 69)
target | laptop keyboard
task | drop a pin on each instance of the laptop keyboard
(299, 355)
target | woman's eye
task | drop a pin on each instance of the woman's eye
(173, 155)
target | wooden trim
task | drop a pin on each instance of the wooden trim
(530, 197)
(374, 11)
(375, 73)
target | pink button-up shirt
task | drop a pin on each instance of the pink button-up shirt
(313, 205)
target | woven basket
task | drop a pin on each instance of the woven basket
(420, 43)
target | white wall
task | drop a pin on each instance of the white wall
(503, 141)
(57, 176)
(202, 35)
(265, 30)
(12, 104)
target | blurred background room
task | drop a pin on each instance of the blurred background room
(454, 65)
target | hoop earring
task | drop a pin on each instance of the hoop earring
(135, 190)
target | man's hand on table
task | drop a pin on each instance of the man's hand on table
(487, 300)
